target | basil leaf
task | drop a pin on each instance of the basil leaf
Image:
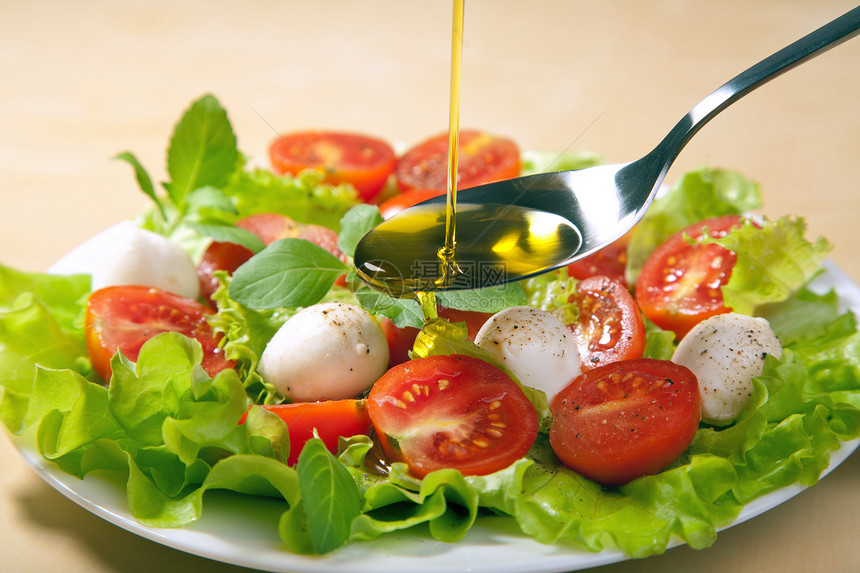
(202, 150)
(329, 495)
(230, 234)
(205, 200)
(143, 179)
(355, 224)
(402, 311)
(490, 299)
(289, 273)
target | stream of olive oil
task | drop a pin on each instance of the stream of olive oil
(446, 246)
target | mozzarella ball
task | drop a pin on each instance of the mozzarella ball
(534, 345)
(328, 351)
(125, 254)
(726, 352)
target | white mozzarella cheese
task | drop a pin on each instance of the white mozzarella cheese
(125, 254)
(726, 352)
(328, 351)
(534, 345)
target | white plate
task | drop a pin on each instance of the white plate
(242, 530)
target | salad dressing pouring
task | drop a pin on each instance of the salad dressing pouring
(440, 247)
(517, 228)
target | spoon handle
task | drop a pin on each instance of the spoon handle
(828, 36)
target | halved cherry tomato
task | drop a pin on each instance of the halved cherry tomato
(332, 419)
(482, 158)
(680, 284)
(365, 162)
(451, 412)
(219, 256)
(273, 226)
(609, 327)
(610, 261)
(401, 201)
(124, 317)
(626, 419)
(401, 340)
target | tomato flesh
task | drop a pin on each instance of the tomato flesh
(610, 261)
(482, 158)
(609, 327)
(625, 420)
(362, 161)
(681, 284)
(331, 419)
(123, 318)
(451, 411)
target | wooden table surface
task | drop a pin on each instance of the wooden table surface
(83, 80)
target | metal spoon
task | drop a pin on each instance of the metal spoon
(602, 203)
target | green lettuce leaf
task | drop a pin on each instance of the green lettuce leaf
(698, 195)
(305, 197)
(773, 263)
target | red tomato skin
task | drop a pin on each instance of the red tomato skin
(625, 420)
(609, 261)
(483, 158)
(332, 419)
(609, 327)
(362, 161)
(401, 340)
(406, 199)
(125, 317)
(219, 256)
(271, 227)
(451, 411)
(680, 284)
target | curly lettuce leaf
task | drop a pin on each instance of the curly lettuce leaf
(698, 195)
(305, 197)
(774, 262)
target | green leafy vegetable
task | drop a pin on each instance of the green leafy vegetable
(288, 273)
(306, 198)
(143, 179)
(202, 151)
(329, 495)
(402, 312)
(489, 299)
(773, 262)
(355, 224)
(231, 234)
(698, 195)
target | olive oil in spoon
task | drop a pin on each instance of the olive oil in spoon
(443, 246)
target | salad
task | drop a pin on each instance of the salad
(193, 402)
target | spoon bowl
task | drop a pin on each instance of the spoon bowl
(599, 203)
